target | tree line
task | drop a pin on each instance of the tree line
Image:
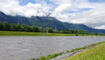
(5, 26)
(74, 31)
(77, 32)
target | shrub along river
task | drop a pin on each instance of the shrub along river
(26, 47)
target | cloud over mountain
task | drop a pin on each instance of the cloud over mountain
(89, 12)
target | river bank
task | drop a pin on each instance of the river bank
(94, 53)
(17, 33)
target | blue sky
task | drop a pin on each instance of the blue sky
(101, 1)
(24, 2)
(80, 10)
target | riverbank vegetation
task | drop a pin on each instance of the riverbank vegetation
(26, 30)
(19, 33)
(92, 46)
(96, 53)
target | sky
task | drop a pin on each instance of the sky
(88, 12)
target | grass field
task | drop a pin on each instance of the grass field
(96, 53)
(14, 33)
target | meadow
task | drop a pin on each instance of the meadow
(17, 33)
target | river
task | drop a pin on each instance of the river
(26, 47)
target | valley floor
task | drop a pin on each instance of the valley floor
(16, 33)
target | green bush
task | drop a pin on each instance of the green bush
(43, 58)
(33, 59)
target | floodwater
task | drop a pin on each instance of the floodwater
(26, 47)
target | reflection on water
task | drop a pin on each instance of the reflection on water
(24, 48)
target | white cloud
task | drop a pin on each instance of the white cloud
(59, 2)
(62, 8)
(95, 17)
(14, 8)
(100, 27)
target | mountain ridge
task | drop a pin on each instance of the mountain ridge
(46, 21)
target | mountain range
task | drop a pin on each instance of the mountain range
(47, 21)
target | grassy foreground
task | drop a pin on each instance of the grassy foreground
(96, 53)
(16, 33)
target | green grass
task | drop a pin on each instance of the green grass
(95, 53)
(14, 33)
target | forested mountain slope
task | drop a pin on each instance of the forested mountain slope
(45, 21)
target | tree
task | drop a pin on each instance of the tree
(49, 30)
(13, 27)
(1, 26)
(35, 29)
(6, 26)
